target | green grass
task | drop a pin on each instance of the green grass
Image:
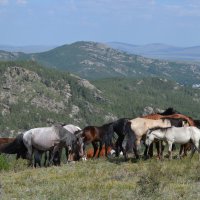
(105, 179)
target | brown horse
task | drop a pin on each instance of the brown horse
(178, 116)
(5, 140)
(90, 152)
(94, 134)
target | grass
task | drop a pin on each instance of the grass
(104, 179)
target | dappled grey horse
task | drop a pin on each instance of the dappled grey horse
(51, 139)
(72, 129)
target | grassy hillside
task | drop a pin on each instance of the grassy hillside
(104, 179)
(92, 60)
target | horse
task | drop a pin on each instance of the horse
(15, 147)
(90, 152)
(180, 135)
(51, 138)
(102, 134)
(119, 129)
(177, 116)
(169, 111)
(137, 128)
(6, 140)
(74, 130)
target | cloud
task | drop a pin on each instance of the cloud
(21, 2)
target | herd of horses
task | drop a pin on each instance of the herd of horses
(124, 135)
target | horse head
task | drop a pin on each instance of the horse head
(149, 137)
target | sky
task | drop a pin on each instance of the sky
(58, 22)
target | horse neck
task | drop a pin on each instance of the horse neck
(180, 116)
(162, 123)
(158, 134)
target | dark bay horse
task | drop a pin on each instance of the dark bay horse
(94, 134)
(16, 146)
(6, 140)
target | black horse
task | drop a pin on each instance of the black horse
(119, 129)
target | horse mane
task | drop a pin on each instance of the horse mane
(169, 111)
(162, 129)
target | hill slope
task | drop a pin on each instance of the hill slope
(33, 96)
(94, 61)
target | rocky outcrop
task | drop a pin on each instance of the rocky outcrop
(150, 110)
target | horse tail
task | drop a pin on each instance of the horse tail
(14, 147)
(128, 142)
(197, 123)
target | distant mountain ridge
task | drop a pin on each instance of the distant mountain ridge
(93, 60)
(27, 48)
(161, 51)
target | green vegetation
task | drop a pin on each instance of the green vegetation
(129, 97)
(104, 179)
(43, 99)
(92, 61)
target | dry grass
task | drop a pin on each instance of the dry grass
(105, 179)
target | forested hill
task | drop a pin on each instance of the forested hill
(92, 60)
(34, 96)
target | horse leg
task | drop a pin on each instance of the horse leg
(67, 153)
(45, 158)
(117, 147)
(170, 150)
(136, 148)
(95, 146)
(56, 148)
(181, 151)
(100, 148)
(158, 148)
(195, 147)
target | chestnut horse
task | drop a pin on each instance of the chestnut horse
(94, 134)
(90, 152)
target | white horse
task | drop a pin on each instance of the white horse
(51, 138)
(72, 128)
(180, 135)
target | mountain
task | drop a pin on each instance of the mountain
(160, 51)
(92, 60)
(34, 96)
(27, 48)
